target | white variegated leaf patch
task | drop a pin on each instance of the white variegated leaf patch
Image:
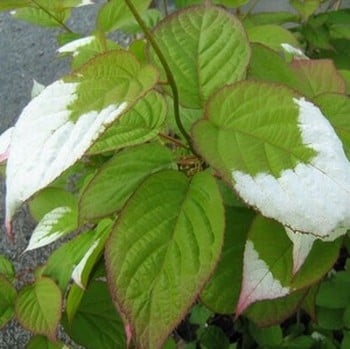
(258, 282)
(45, 141)
(312, 197)
(60, 124)
(54, 224)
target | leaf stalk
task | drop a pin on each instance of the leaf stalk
(166, 67)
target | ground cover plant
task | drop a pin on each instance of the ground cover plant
(199, 178)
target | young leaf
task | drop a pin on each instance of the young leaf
(163, 249)
(38, 307)
(317, 77)
(272, 36)
(41, 342)
(268, 65)
(266, 337)
(96, 323)
(305, 7)
(6, 268)
(280, 154)
(201, 57)
(139, 125)
(55, 224)
(7, 300)
(58, 126)
(274, 311)
(82, 271)
(62, 262)
(222, 291)
(112, 185)
(115, 14)
(48, 199)
(267, 264)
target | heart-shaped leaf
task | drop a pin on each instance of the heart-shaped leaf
(163, 249)
(59, 125)
(281, 155)
(201, 57)
(7, 300)
(38, 307)
(112, 185)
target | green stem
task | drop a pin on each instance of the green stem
(172, 140)
(251, 8)
(166, 67)
(64, 26)
(165, 7)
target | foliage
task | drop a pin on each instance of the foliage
(200, 177)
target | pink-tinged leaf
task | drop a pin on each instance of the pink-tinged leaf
(5, 141)
(59, 125)
(302, 245)
(318, 76)
(258, 281)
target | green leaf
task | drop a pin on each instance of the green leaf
(305, 7)
(185, 3)
(139, 125)
(48, 199)
(275, 311)
(271, 145)
(82, 271)
(41, 342)
(346, 76)
(231, 3)
(222, 291)
(336, 108)
(54, 225)
(317, 77)
(346, 340)
(6, 268)
(38, 307)
(44, 18)
(115, 14)
(330, 319)
(199, 314)
(62, 262)
(6, 5)
(309, 302)
(334, 291)
(201, 57)
(96, 323)
(268, 264)
(7, 300)
(163, 249)
(269, 336)
(268, 65)
(272, 36)
(278, 18)
(71, 114)
(113, 184)
(213, 337)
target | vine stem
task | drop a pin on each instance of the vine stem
(166, 67)
(64, 26)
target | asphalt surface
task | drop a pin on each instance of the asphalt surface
(28, 52)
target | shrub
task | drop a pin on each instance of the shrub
(200, 174)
